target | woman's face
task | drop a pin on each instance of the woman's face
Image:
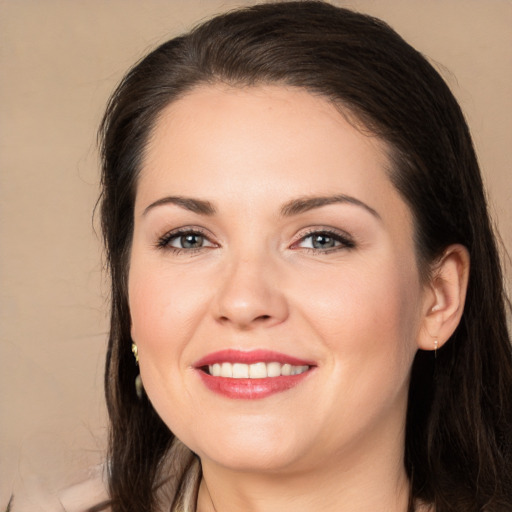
(273, 287)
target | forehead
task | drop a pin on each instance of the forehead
(266, 116)
(266, 140)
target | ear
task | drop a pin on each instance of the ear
(444, 298)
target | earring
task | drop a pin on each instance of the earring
(435, 347)
(139, 389)
(135, 351)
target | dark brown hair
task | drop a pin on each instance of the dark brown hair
(459, 420)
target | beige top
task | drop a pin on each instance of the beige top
(86, 495)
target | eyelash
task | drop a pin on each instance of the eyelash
(343, 239)
(165, 241)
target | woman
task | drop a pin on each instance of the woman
(291, 207)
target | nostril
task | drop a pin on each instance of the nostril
(245, 322)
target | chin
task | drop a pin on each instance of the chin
(250, 460)
(253, 450)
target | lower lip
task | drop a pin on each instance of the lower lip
(251, 389)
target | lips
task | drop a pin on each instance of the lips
(249, 375)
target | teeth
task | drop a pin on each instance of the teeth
(258, 371)
(226, 370)
(254, 371)
(240, 371)
(273, 369)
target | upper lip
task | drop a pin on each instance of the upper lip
(250, 357)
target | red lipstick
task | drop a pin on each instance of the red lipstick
(250, 357)
(244, 387)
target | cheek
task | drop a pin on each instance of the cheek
(164, 309)
(367, 315)
(165, 312)
(148, 304)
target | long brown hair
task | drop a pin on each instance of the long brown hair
(459, 423)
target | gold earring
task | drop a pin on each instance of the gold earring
(135, 351)
(139, 389)
(435, 347)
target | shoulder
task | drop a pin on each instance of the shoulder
(90, 495)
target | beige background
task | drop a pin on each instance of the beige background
(59, 61)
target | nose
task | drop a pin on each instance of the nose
(250, 295)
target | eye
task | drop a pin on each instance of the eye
(325, 241)
(188, 241)
(185, 240)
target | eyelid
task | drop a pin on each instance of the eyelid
(345, 239)
(162, 242)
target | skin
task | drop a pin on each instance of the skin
(358, 310)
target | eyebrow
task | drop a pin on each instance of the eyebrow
(194, 205)
(289, 209)
(304, 204)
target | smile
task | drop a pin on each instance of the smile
(258, 370)
(250, 375)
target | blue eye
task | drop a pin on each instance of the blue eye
(184, 241)
(325, 241)
(189, 241)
